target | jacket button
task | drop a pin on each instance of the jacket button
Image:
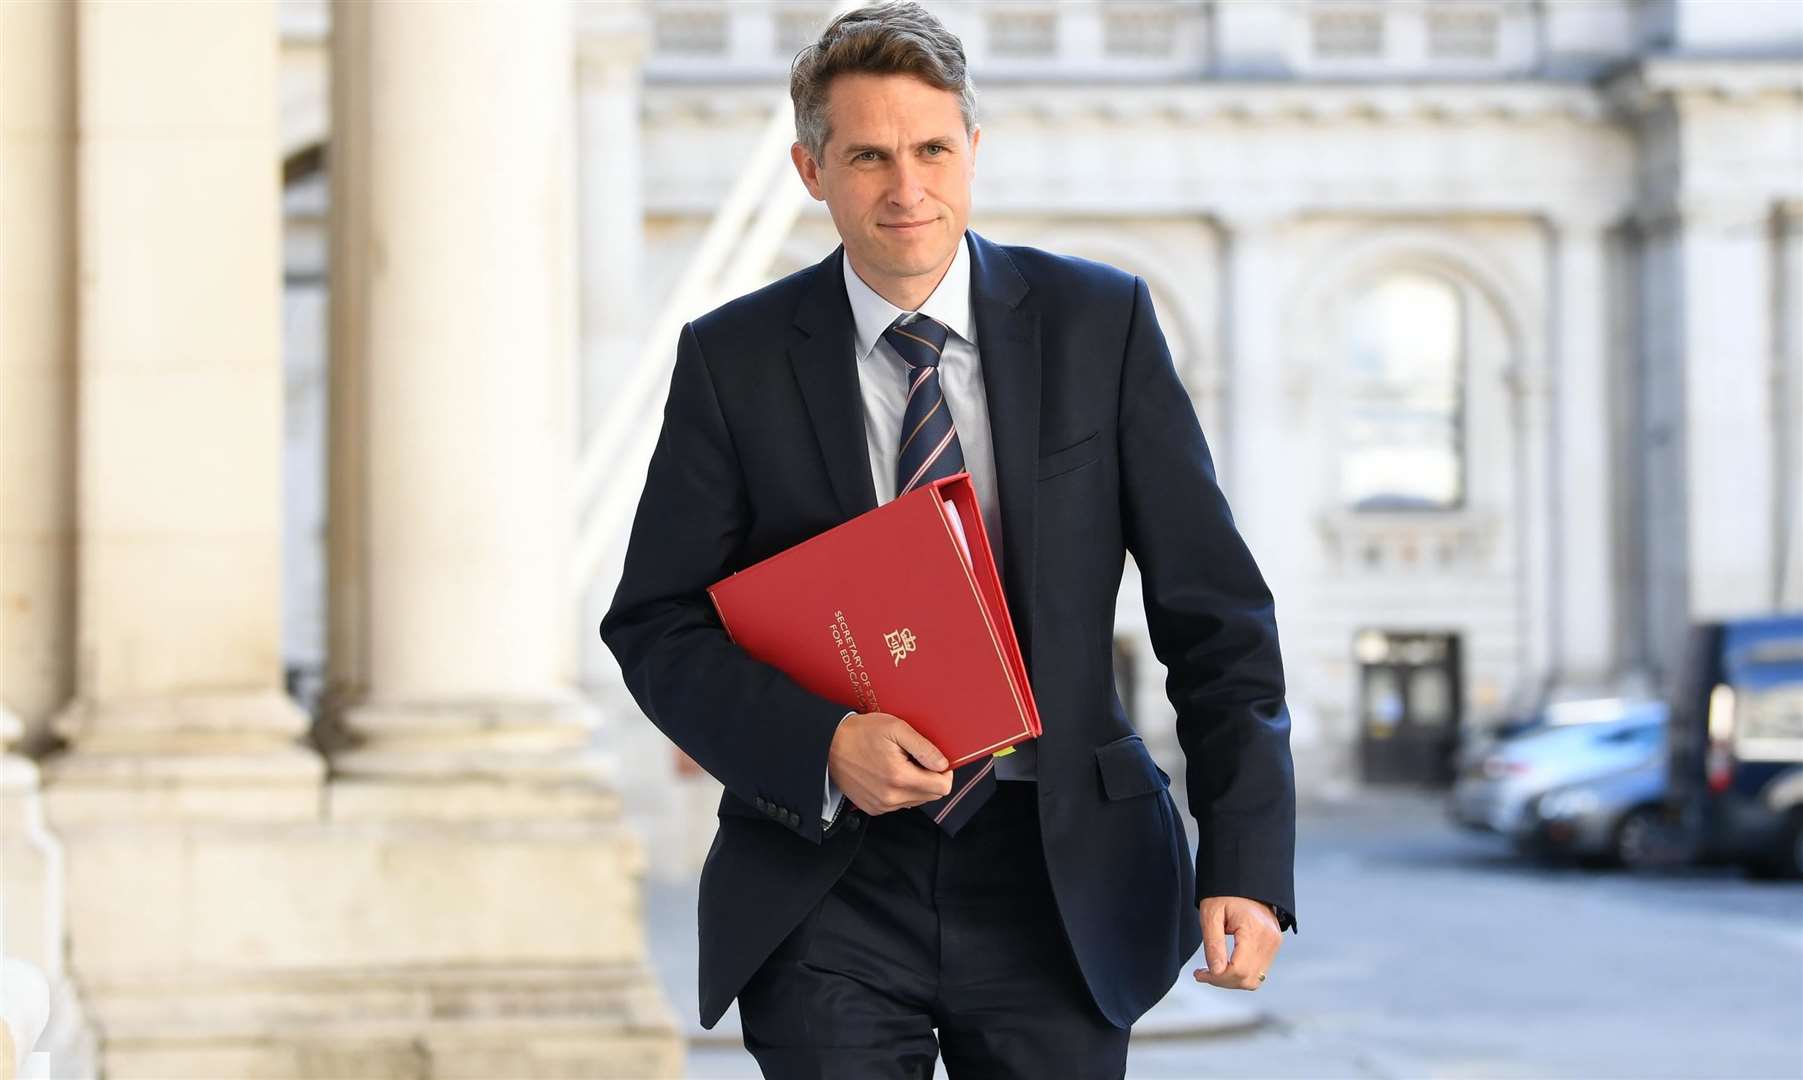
(794, 819)
(761, 803)
(852, 822)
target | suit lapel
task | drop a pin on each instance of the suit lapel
(1008, 347)
(821, 357)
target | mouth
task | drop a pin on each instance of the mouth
(908, 226)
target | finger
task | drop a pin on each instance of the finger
(918, 747)
(1249, 958)
(1254, 947)
(1214, 940)
(1241, 973)
(930, 785)
(923, 788)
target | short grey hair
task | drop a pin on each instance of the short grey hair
(898, 37)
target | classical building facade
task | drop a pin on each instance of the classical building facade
(1491, 311)
(335, 336)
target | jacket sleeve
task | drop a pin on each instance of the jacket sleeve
(1213, 625)
(749, 725)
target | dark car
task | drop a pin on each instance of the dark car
(1736, 743)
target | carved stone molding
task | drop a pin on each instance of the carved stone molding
(1185, 105)
(1408, 542)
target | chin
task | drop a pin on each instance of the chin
(932, 247)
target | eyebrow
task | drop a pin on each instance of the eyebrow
(859, 148)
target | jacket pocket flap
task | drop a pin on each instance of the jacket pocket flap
(1128, 769)
(1070, 458)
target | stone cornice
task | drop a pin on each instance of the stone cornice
(614, 36)
(1725, 212)
(1649, 83)
(1186, 104)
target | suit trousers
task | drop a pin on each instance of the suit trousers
(925, 932)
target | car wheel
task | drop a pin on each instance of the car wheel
(1786, 859)
(1639, 840)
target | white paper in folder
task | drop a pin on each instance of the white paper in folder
(951, 510)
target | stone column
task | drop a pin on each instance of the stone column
(611, 52)
(351, 252)
(179, 698)
(611, 46)
(462, 366)
(1583, 601)
(499, 887)
(37, 362)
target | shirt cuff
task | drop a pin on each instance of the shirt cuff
(830, 803)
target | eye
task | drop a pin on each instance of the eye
(935, 146)
(864, 154)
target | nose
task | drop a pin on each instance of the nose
(906, 190)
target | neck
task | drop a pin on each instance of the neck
(907, 293)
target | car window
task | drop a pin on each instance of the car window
(1638, 735)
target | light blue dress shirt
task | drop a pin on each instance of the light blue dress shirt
(883, 382)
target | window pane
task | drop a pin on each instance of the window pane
(1404, 397)
(1430, 697)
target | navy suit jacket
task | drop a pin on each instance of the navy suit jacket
(1098, 452)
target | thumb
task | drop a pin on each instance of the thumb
(918, 746)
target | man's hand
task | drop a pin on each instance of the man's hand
(1256, 938)
(882, 764)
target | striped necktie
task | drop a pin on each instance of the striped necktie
(929, 451)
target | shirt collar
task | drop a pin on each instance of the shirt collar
(949, 303)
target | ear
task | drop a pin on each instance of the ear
(976, 135)
(809, 170)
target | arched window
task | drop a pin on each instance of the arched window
(1404, 402)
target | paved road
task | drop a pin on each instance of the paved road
(1428, 952)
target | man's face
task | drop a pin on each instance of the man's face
(896, 177)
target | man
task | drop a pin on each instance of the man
(1029, 909)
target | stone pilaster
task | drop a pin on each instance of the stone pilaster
(1713, 503)
(1726, 334)
(1583, 578)
(1261, 461)
(1532, 416)
(1259, 466)
(1789, 408)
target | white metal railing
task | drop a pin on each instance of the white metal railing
(735, 253)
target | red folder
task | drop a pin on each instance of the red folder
(898, 610)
